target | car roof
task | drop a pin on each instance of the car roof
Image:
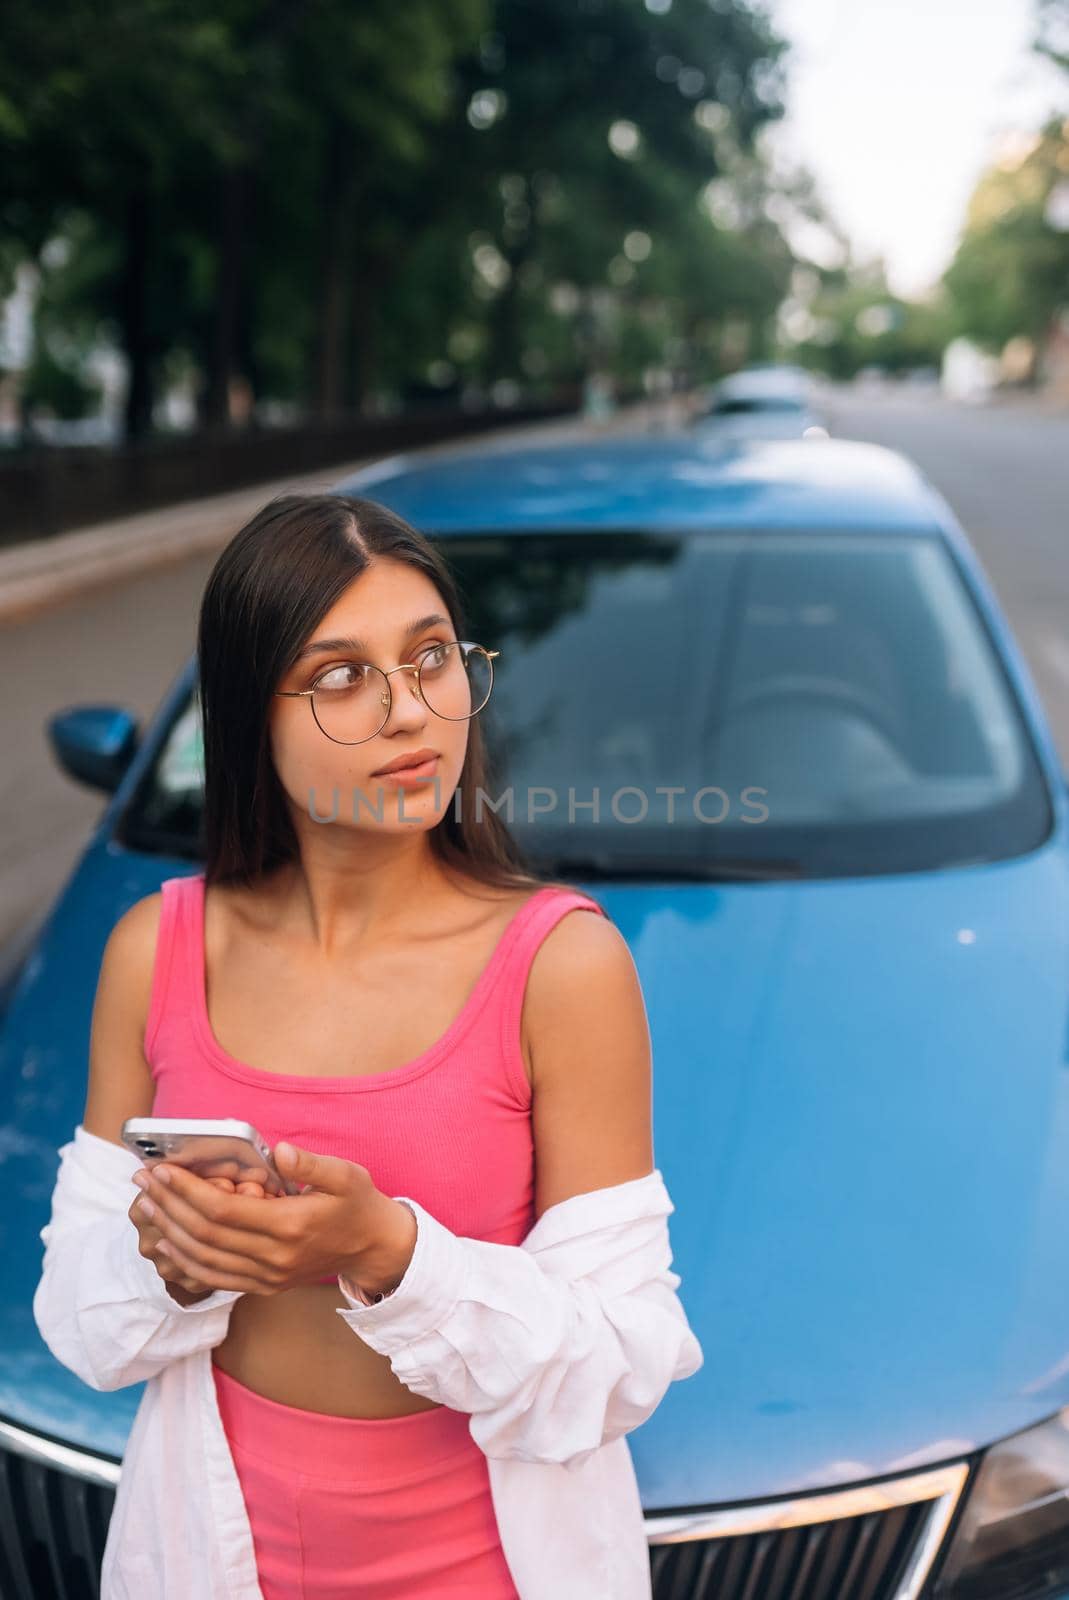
(765, 380)
(680, 479)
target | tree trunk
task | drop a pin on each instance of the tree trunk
(503, 346)
(234, 188)
(362, 373)
(330, 362)
(133, 316)
(335, 288)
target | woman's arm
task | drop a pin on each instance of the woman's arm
(565, 1342)
(101, 1306)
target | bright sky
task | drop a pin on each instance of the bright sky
(897, 107)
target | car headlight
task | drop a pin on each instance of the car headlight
(1012, 1542)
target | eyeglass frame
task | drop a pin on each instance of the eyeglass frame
(405, 666)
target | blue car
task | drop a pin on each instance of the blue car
(760, 699)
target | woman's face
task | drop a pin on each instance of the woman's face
(329, 781)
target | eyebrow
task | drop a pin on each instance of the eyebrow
(322, 646)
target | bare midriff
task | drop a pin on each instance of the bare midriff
(292, 1346)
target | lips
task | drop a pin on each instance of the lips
(406, 763)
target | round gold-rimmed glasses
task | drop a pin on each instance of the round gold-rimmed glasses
(351, 701)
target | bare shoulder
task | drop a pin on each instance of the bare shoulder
(120, 1080)
(130, 951)
(582, 976)
(591, 1060)
(583, 947)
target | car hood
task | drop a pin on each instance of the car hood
(861, 1108)
(44, 1059)
(860, 1111)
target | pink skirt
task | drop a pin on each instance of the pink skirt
(348, 1508)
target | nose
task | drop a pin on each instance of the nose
(409, 708)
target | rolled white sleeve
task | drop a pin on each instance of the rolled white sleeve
(100, 1305)
(554, 1346)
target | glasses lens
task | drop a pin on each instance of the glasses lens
(351, 702)
(456, 679)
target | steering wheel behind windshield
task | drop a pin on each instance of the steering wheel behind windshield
(829, 691)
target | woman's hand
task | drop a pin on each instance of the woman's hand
(180, 1285)
(339, 1223)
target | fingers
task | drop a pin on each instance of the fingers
(171, 1272)
(198, 1250)
(204, 1270)
(194, 1275)
(174, 1266)
(234, 1221)
(206, 1247)
(153, 1247)
(244, 1186)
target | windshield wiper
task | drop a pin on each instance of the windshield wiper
(689, 869)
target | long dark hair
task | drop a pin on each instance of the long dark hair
(269, 587)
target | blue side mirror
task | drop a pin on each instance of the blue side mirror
(94, 744)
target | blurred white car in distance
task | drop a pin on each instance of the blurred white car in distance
(763, 401)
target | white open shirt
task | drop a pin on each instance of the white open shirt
(556, 1348)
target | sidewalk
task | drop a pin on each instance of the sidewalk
(43, 572)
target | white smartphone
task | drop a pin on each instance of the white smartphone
(214, 1147)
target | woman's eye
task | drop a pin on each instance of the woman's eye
(346, 676)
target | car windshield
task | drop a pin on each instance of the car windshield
(729, 405)
(722, 704)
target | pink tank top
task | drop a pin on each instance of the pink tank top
(452, 1128)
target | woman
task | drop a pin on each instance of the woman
(455, 1071)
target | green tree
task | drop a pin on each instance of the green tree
(581, 125)
(176, 126)
(1010, 270)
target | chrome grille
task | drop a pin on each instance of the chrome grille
(55, 1505)
(876, 1542)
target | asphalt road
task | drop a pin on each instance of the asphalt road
(1003, 468)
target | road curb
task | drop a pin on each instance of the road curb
(45, 572)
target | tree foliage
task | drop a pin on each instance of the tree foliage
(1010, 272)
(341, 204)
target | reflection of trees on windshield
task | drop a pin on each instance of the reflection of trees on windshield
(519, 590)
(520, 587)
